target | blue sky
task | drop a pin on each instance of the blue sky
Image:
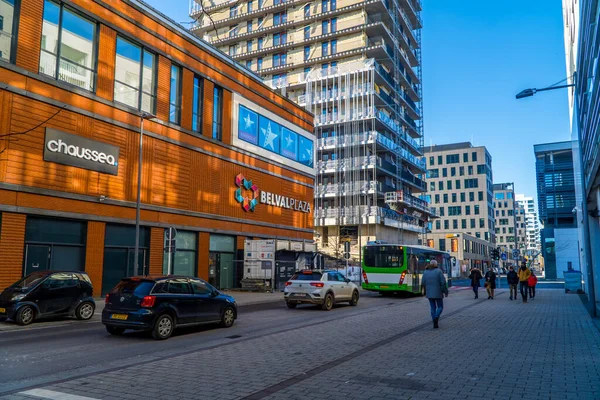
(476, 56)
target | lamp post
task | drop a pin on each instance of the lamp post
(586, 233)
(143, 116)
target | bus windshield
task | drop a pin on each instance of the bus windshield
(384, 256)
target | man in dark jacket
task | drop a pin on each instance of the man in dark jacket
(490, 283)
(434, 285)
(513, 282)
(475, 277)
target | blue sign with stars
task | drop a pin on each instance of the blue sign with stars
(305, 151)
(248, 125)
(289, 144)
(269, 133)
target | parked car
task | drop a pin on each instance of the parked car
(46, 294)
(163, 303)
(324, 288)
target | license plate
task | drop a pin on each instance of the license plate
(119, 316)
(384, 287)
(2, 310)
(299, 294)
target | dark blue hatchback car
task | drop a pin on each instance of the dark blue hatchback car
(162, 303)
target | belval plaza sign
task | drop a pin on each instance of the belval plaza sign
(278, 200)
(248, 194)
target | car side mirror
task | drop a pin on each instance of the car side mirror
(214, 293)
(347, 280)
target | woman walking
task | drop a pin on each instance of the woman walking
(434, 286)
(475, 277)
(490, 283)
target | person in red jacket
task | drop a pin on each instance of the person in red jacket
(531, 282)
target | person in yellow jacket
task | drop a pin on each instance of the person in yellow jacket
(524, 274)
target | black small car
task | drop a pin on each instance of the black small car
(162, 303)
(48, 293)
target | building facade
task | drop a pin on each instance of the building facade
(506, 222)
(581, 19)
(80, 80)
(521, 228)
(356, 66)
(556, 203)
(532, 224)
(459, 180)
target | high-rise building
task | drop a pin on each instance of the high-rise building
(556, 201)
(459, 180)
(532, 224)
(582, 28)
(506, 224)
(355, 65)
(521, 228)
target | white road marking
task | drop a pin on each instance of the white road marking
(51, 394)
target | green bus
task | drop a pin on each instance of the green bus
(389, 268)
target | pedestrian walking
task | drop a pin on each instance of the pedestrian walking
(524, 274)
(531, 282)
(490, 283)
(434, 286)
(475, 277)
(513, 282)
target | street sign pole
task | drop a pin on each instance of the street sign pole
(171, 234)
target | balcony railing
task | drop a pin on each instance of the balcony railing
(367, 214)
(340, 189)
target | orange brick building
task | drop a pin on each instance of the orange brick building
(224, 157)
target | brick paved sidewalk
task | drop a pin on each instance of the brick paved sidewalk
(548, 348)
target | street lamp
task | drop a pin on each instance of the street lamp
(143, 116)
(586, 232)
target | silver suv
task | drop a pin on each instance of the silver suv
(320, 287)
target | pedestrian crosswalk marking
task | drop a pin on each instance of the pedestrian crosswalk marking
(53, 395)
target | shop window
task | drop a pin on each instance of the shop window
(9, 17)
(217, 128)
(54, 244)
(68, 51)
(135, 76)
(197, 104)
(175, 95)
(182, 261)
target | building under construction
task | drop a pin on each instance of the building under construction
(357, 66)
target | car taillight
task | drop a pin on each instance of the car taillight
(402, 278)
(317, 284)
(148, 301)
(106, 299)
(288, 283)
(365, 277)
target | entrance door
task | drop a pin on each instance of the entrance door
(37, 258)
(226, 271)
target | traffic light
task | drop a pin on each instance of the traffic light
(347, 250)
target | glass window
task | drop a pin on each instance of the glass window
(454, 224)
(179, 286)
(444, 172)
(461, 171)
(233, 11)
(48, 230)
(60, 281)
(431, 186)
(453, 171)
(440, 160)
(446, 224)
(445, 198)
(200, 287)
(307, 11)
(454, 197)
(458, 183)
(260, 43)
(259, 64)
(249, 26)
(217, 128)
(438, 225)
(250, 8)
(135, 72)
(431, 161)
(470, 167)
(68, 51)
(8, 26)
(324, 6)
(334, 46)
(384, 256)
(248, 46)
(481, 196)
(437, 198)
(472, 222)
(462, 196)
(474, 156)
(175, 95)
(449, 185)
(324, 49)
(464, 224)
(333, 25)
(307, 32)
(197, 104)
(183, 260)
(222, 243)
(468, 210)
(476, 210)
(441, 185)
(325, 27)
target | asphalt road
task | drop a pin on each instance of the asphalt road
(58, 350)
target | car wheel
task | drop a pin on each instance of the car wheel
(115, 330)
(85, 311)
(163, 328)
(228, 317)
(355, 297)
(328, 303)
(25, 315)
(291, 305)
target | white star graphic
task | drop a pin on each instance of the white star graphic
(269, 137)
(288, 140)
(310, 155)
(248, 121)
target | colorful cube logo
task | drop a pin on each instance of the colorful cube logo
(246, 193)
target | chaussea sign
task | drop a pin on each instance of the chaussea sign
(66, 148)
